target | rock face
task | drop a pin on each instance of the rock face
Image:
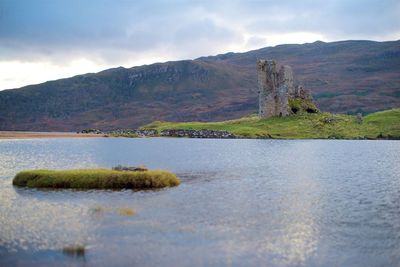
(276, 89)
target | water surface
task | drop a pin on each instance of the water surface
(241, 203)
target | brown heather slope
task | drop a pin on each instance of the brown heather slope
(345, 77)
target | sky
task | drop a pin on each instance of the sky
(44, 40)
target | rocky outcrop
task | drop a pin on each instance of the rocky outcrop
(133, 132)
(166, 133)
(124, 132)
(140, 168)
(359, 118)
(277, 89)
(197, 133)
(91, 131)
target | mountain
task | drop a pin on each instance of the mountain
(345, 77)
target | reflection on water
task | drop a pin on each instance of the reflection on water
(241, 203)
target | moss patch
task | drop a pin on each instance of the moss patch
(96, 179)
(299, 105)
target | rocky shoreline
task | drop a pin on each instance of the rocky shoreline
(216, 134)
(164, 133)
(197, 133)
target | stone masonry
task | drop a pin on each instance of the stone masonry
(276, 87)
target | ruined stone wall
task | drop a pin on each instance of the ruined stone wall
(267, 80)
(274, 89)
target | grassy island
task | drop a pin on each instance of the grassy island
(379, 125)
(96, 179)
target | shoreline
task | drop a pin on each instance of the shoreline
(9, 135)
(38, 135)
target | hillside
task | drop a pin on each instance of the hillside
(345, 77)
(378, 125)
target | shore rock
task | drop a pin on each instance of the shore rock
(130, 168)
(167, 133)
(197, 133)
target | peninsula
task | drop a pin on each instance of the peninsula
(287, 111)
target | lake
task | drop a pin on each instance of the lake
(240, 203)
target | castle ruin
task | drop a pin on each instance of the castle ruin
(276, 88)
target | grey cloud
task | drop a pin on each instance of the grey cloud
(255, 41)
(112, 30)
(335, 19)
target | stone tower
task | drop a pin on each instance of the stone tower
(274, 87)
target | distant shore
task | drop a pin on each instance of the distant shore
(30, 135)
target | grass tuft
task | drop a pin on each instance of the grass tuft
(96, 179)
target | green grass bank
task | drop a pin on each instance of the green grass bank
(96, 179)
(379, 125)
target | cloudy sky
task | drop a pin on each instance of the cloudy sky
(42, 40)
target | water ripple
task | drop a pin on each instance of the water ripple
(241, 203)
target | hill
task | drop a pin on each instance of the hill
(345, 77)
(379, 125)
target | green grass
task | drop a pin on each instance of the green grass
(96, 179)
(384, 124)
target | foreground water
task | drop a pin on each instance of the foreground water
(241, 203)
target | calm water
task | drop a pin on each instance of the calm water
(241, 203)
